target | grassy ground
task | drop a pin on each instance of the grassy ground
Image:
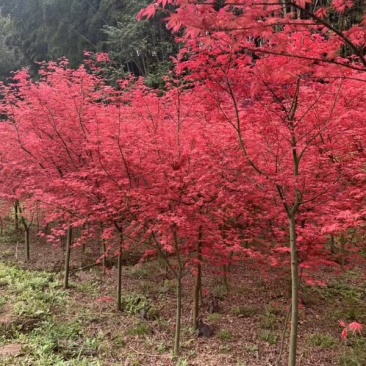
(41, 324)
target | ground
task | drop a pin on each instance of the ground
(42, 324)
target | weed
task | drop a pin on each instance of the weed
(353, 358)
(89, 288)
(269, 337)
(140, 329)
(225, 335)
(244, 312)
(182, 363)
(136, 304)
(356, 355)
(252, 348)
(220, 291)
(162, 347)
(224, 348)
(139, 272)
(269, 320)
(169, 287)
(119, 341)
(212, 318)
(322, 341)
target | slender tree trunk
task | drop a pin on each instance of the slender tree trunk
(16, 216)
(343, 251)
(119, 279)
(67, 257)
(37, 220)
(332, 244)
(26, 234)
(198, 284)
(104, 255)
(225, 280)
(27, 242)
(294, 291)
(176, 350)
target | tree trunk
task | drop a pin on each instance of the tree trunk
(198, 284)
(225, 280)
(27, 242)
(16, 216)
(343, 252)
(67, 257)
(119, 279)
(104, 256)
(176, 350)
(332, 244)
(294, 291)
(26, 233)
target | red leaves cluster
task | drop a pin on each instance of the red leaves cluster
(220, 158)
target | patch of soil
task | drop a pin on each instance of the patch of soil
(14, 349)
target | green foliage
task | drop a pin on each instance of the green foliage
(212, 318)
(225, 335)
(136, 304)
(43, 30)
(182, 362)
(350, 300)
(322, 341)
(220, 291)
(168, 287)
(139, 272)
(140, 329)
(269, 337)
(270, 317)
(31, 299)
(356, 354)
(224, 348)
(11, 57)
(244, 311)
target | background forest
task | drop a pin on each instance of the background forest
(43, 30)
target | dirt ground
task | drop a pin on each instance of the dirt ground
(247, 329)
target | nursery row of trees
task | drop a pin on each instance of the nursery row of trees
(254, 149)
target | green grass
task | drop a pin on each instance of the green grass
(31, 300)
(244, 311)
(225, 335)
(322, 341)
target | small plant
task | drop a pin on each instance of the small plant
(323, 341)
(355, 356)
(162, 347)
(182, 363)
(244, 312)
(134, 304)
(225, 335)
(212, 318)
(269, 320)
(252, 348)
(139, 272)
(168, 287)
(220, 291)
(224, 348)
(140, 329)
(269, 337)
